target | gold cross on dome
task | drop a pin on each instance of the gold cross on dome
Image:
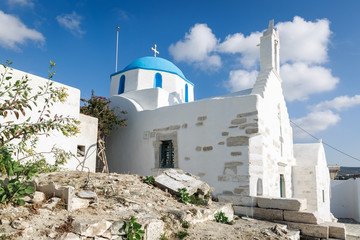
(155, 51)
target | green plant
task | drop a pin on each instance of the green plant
(163, 237)
(195, 199)
(108, 121)
(19, 135)
(133, 230)
(19, 177)
(183, 195)
(149, 180)
(185, 224)
(220, 217)
(182, 234)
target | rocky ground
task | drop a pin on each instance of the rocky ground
(118, 197)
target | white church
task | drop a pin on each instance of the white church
(241, 143)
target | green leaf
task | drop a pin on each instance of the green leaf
(29, 190)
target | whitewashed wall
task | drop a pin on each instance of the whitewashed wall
(311, 178)
(345, 198)
(139, 79)
(70, 108)
(205, 133)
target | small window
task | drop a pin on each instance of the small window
(282, 186)
(121, 84)
(167, 154)
(80, 151)
(186, 93)
(158, 80)
(259, 187)
(323, 195)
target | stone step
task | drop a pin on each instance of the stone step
(336, 230)
(302, 217)
(255, 212)
(292, 204)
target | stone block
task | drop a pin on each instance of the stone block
(251, 130)
(240, 115)
(208, 148)
(238, 121)
(69, 236)
(51, 190)
(236, 154)
(201, 118)
(336, 230)
(221, 143)
(269, 214)
(237, 141)
(292, 204)
(311, 230)
(198, 148)
(248, 125)
(225, 134)
(199, 123)
(302, 217)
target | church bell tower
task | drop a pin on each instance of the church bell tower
(269, 49)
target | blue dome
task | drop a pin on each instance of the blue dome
(155, 63)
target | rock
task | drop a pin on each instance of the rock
(78, 203)
(4, 222)
(19, 224)
(118, 227)
(89, 229)
(69, 236)
(52, 203)
(291, 204)
(86, 195)
(173, 179)
(38, 197)
(154, 229)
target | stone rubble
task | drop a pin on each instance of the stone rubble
(75, 206)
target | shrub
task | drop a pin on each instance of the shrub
(220, 217)
(133, 230)
(182, 234)
(149, 180)
(183, 195)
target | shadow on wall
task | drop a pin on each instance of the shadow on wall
(89, 152)
(174, 98)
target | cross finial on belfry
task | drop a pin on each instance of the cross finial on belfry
(155, 51)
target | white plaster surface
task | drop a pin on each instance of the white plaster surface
(345, 198)
(69, 108)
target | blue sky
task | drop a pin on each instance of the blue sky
(212, 42)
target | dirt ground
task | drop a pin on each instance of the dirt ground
(120, 196)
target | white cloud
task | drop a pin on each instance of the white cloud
(339, 103)
(23, 3)
(315, 122)
(71, 22)
(247, 46)
(301, 80)
(304, 41)
(240, 80)
(196, 47)
(13, 32)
